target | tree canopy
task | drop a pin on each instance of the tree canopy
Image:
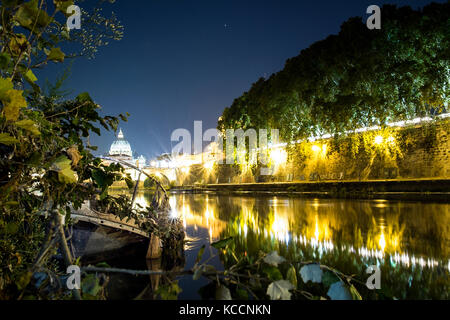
(46, 164)
(357, 78)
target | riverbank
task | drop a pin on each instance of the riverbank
(407, 189)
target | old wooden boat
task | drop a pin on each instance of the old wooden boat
(101, 236)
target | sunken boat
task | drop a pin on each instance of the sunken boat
(100, 234)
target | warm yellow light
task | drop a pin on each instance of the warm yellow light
(208, 165)
(278, 156)
(390, 139)
(382, 242)
(378, 139)
(320, 149)
(185, 170)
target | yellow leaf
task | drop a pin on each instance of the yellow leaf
(56, 55)
(18, 44)
(12, 102)
(29, 75)
(5, 85)
(74, 155)
(29, 125)
(62, 165)
(7, 139)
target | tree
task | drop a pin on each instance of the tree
(46, 164)
(357, 78)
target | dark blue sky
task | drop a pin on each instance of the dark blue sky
(187, 60)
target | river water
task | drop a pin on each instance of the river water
(409, 241)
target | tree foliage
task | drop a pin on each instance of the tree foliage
(46, 164)
(357, 78)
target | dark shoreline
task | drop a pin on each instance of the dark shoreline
(433, 190)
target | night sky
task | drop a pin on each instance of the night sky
(181, 61)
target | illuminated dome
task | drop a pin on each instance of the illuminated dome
(120, 147)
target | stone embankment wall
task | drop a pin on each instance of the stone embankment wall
(412, 152)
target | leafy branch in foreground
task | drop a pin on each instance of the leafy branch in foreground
(46, 161)
(268, 276)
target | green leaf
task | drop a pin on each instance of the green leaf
(242, 294)
(30, 77)
(279, 290)
(169, 291)
(273, 273)
(200, 254)
(222, 243)
(18, 44)
(56, 55)
(5, 85)
(84, 97)
(274, 259)
(104, 194)
(10, 3)
(4, 60)
(62, 5)
(292, 276)
(129, 182)
(90, 285)
(102, 265)
(197, 273)
(62, 165)
(12, 228)
(28, 125)
(100, 178)
(355, 293)
(23, 280)
(13, 101)
(7, 139)
(329, 278)
(30, 16)
(11, 204)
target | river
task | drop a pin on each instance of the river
(409, 241)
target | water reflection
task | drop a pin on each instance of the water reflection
(409, 241)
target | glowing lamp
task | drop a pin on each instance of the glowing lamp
(208, 165)
(278, 156)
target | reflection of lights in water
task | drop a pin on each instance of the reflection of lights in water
(318, 236)
(316, 231)
(382, 242)
(315, 203)
(141, 201)
(173, 208)
(280, 225)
